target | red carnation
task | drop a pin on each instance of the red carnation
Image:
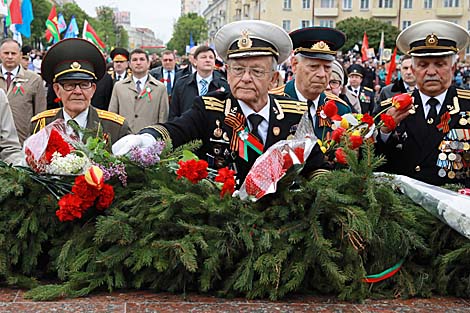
(193, 170)
(56, 144)
(337, 134)
(356, 141)
(368, 119)
(227, 177)
(106, 197)
(330, 109)
(340, 156)
(402, 101)
(70, 207)
(86, 192)
(388, 121)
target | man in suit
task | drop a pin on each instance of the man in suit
(72, 67)
(204, 80)
(140, 98)
(431, 142)
(168, 73)
(24, 88)
(406, 83)
(252, 50)
(10, 148)
(312, 65)
(364, 94)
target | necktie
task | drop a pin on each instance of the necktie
(118, 78)
(168, 82)
(75, 127)
(255, 120)
(137, 86)
(432, 114)
(203, 87)
(8, 80)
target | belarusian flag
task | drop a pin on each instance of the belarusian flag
(51, 25)
(90, 35)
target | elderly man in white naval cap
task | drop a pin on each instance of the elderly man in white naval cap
(431, 141)
(252, 51)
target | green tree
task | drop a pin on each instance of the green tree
(187, 25)
(41, 9)
(354, 27)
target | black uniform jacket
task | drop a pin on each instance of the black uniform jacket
(427, 153)
(207, 121)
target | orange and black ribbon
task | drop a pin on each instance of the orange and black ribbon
(322, 122)
(237, 122)
(444, 124)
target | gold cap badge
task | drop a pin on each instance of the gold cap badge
(244, 42)
(75, 65)
(431, 40)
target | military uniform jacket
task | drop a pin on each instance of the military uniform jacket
(366, 99)
(424, 152)
(27, 97)
(113, 126)
(343, 108)
(207, 121)
(186, 89)
(140, 110)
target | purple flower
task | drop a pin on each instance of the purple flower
(146, 157)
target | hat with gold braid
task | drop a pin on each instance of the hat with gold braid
(250, 38)
(73, 58)
(317, 42)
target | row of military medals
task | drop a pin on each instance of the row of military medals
(454, 159)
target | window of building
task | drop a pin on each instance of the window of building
(327, 23)
(451, 3)
(408, 4)
(364, 4)
(287, 4)
(305, 4)
(347, 4)
(304, 23)
(327, 4)
(386, 4)
(428, 4)
(405, 24)
(286, 25)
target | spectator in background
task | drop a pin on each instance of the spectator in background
(168, 73)
(204, 80)
(140, 98)
(191, 69)
(337, 86)
(364, 94)
(10, 148)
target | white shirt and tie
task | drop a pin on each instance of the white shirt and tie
(139, 83)
(81, 119)
(263, 127)
(203, 84)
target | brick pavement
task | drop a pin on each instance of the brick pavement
(12, 300)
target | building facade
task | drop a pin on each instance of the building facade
(294, 14)
(193, 6)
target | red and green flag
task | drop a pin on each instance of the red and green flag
(90, 35)
(52, 26)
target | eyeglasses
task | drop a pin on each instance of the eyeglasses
(71, 86)
(253, 71)
(335, 83)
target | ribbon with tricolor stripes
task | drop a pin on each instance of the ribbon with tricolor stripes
(246, 139)
(384, 275)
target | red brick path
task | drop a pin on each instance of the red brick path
(11, 300)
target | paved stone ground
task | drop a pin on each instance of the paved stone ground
(12, 300)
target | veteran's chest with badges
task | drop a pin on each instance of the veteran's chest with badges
(454, 157)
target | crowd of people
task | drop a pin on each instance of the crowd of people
(257, 76)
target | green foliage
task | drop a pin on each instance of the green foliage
(323, 236)
(354, 27)
(186, 25)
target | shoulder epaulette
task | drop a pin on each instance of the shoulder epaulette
(293, 106)
(332, 96)
(213, 103)
(368, 89)
(278, 91)
(110, 116)
(44, 114)
(463, 93)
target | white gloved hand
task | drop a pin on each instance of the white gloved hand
(126, 143)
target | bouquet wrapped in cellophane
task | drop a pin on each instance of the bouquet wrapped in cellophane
(51, 151)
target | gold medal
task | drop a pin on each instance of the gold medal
(225, 137)
(466, 146)
(276, 131)
(218, 131)
(463, 121)
(451, 174)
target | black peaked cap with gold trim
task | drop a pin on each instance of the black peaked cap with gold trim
(119, 55)
(250, 38)
(356, 69)
(73, 58)
(433, 38)
(317, 42)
